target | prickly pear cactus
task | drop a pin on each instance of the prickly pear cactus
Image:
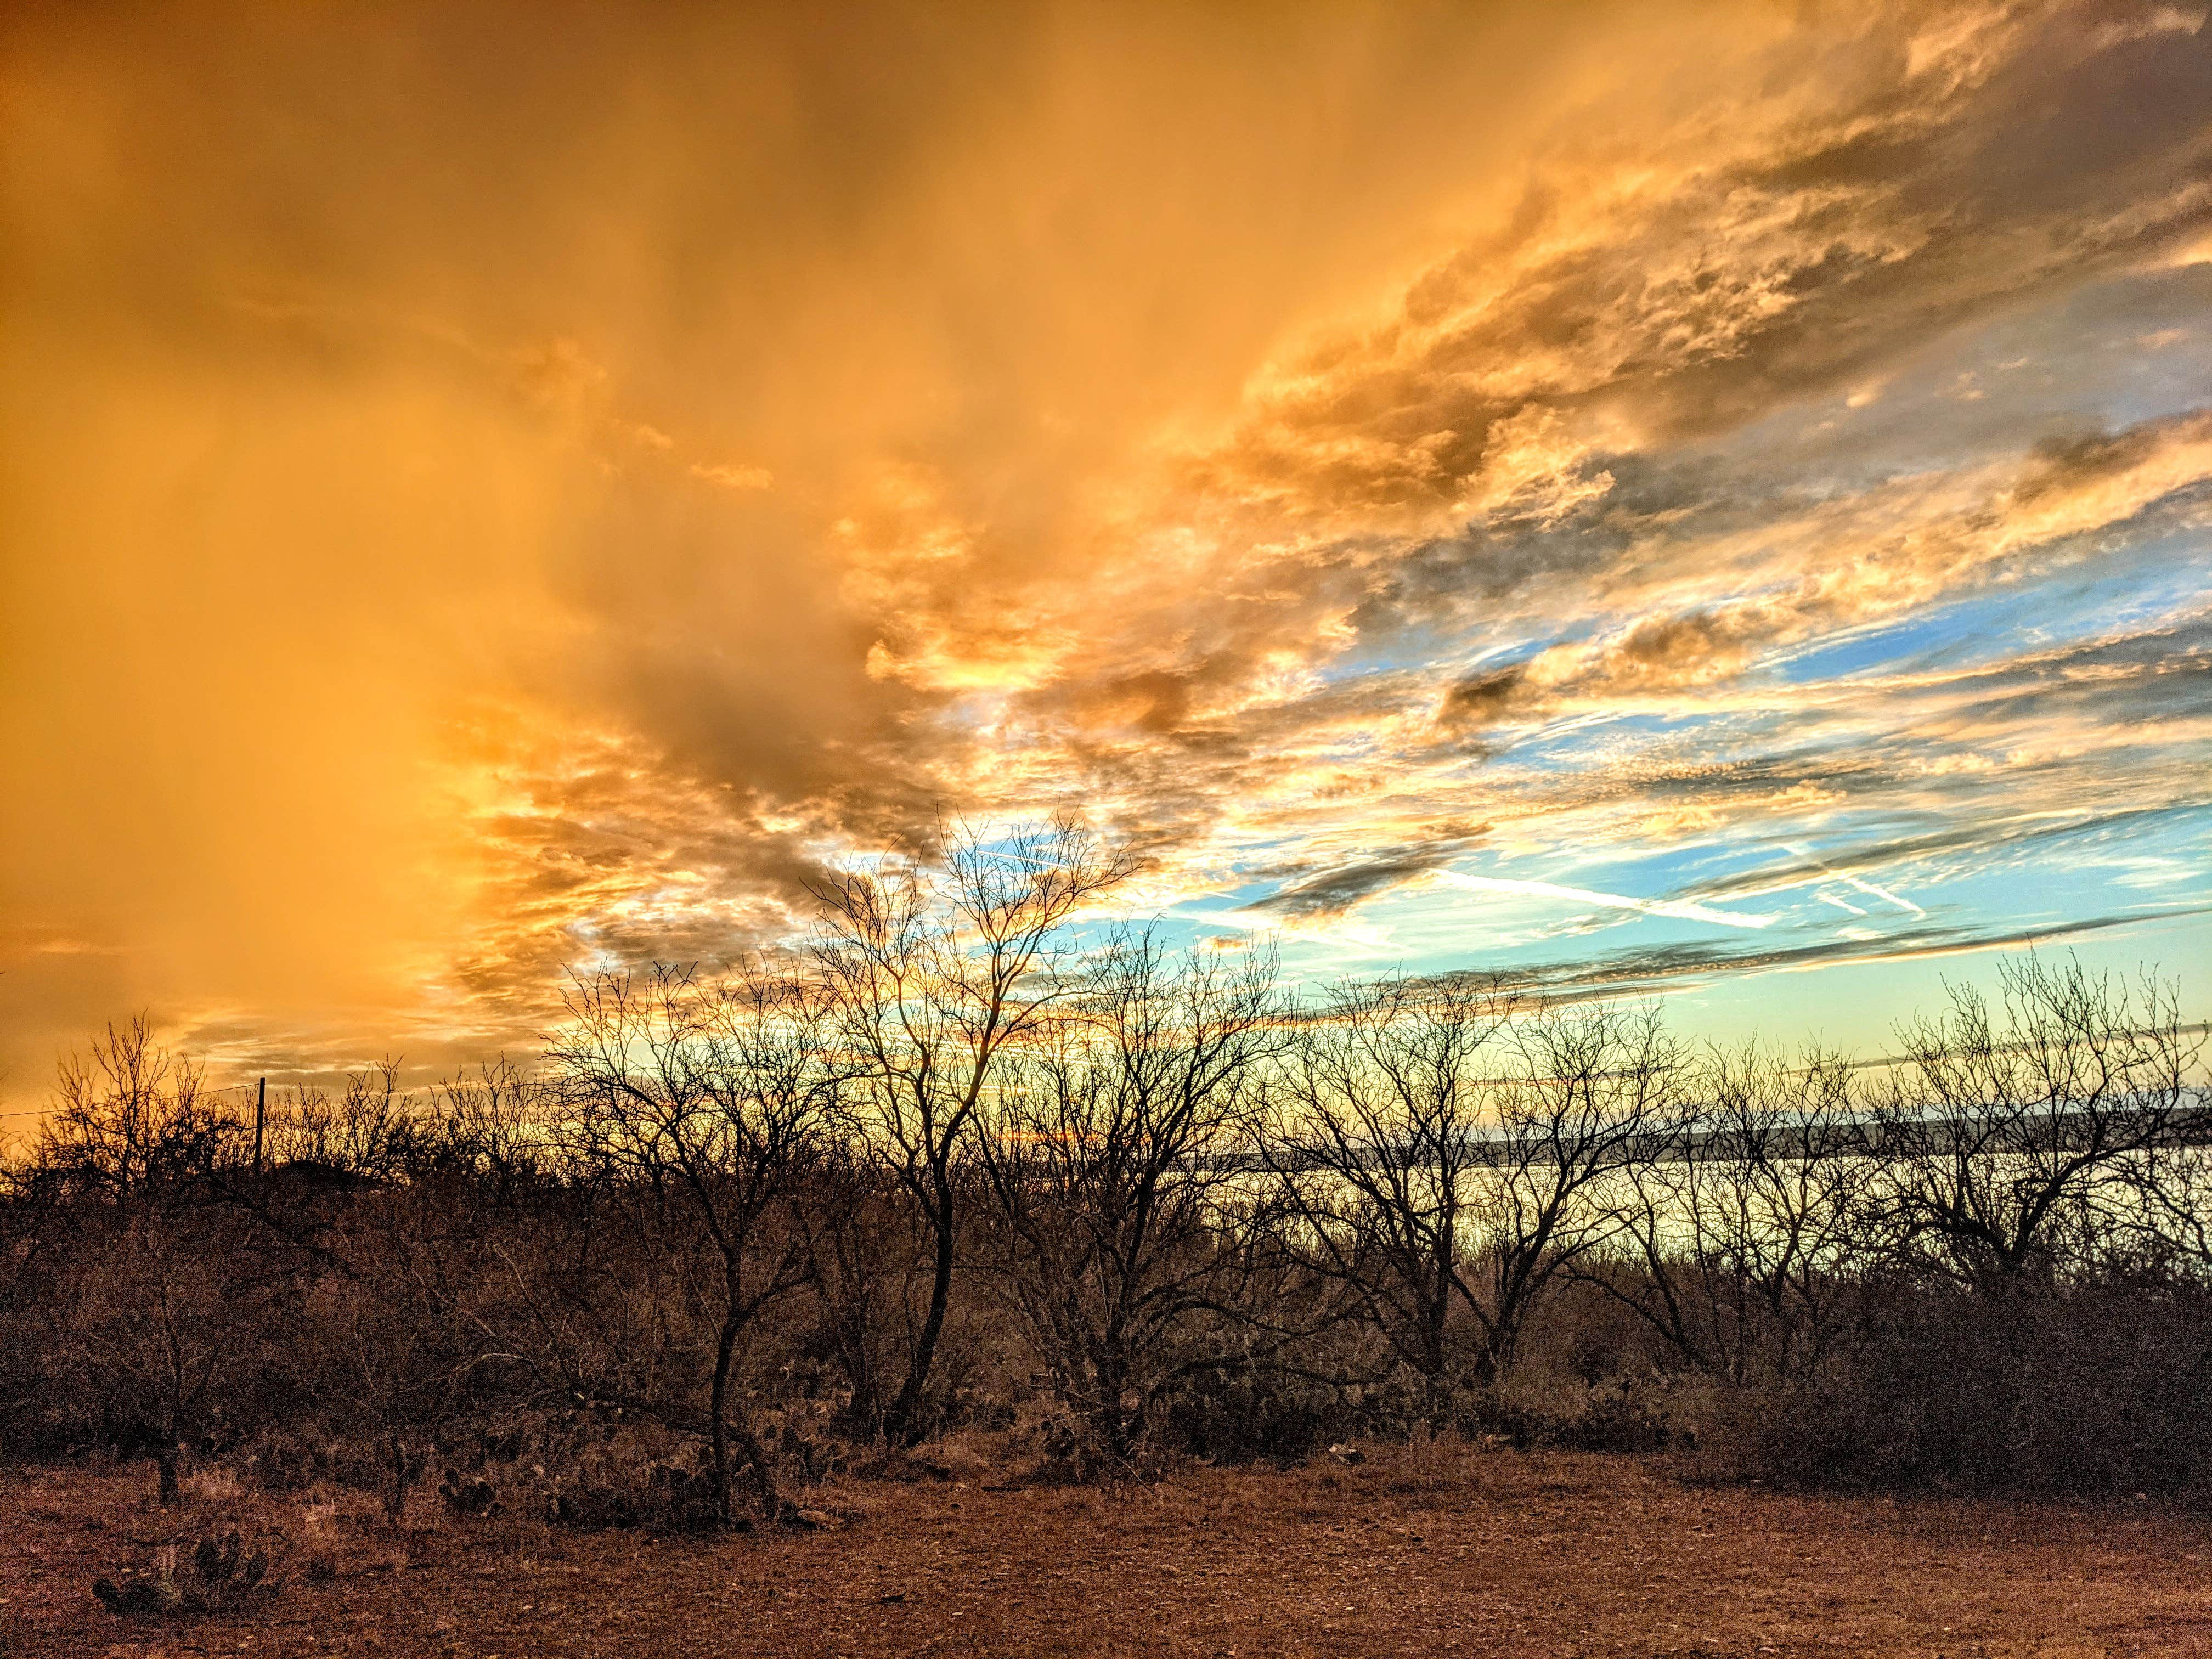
(219, 1575)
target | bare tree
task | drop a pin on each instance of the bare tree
(1742, 1219)
(698, 1106)
(2168, 1225)
(165, 1291)
(864, 1248)
(392, 1358)
(34, 1234)
(321, 1152)
(1589, 1085)
(129, 1116)
(935, 974)
(160, 1314)
(368, 1131)
(392, 1271)
(2002, 1129)
(1108, 1147)
(493, 1125)
(1375, 1140)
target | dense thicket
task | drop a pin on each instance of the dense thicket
(964, 1161)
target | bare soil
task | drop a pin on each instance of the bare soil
(1444, 1551)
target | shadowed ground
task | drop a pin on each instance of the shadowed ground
(1453, 1551)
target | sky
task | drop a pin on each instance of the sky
(1705, 502)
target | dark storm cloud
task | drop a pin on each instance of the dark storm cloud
(1336, 892)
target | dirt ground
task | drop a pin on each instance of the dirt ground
(1450, 1551)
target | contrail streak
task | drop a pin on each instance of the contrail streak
(1685, 909)
(1866, 887)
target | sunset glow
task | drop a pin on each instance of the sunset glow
(1657, 498)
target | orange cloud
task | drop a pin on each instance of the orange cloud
(491, 489)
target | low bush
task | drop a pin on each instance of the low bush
(2097, 1387)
